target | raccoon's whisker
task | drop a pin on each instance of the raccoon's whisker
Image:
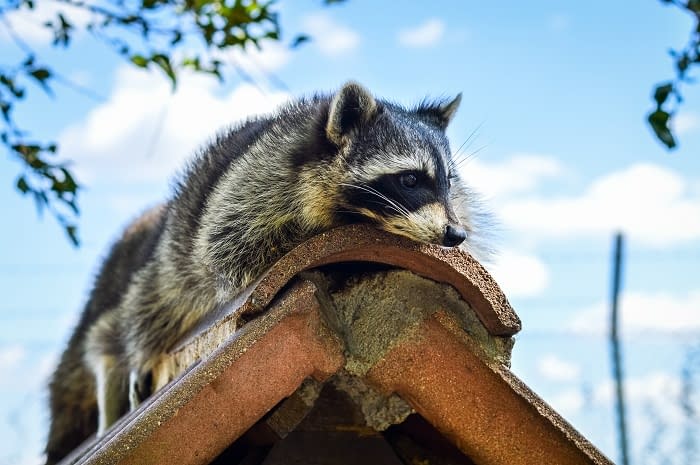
(390, 208)
(405, 209)
(347, 211)
(460, 158)
(470, 137)
(392, 203)
(399, 208)
(471, 155)
(458, 154)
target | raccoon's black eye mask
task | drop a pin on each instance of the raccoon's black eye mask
(411, 190)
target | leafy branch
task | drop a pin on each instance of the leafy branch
(50, 183)
(667, 95)
(169, 35)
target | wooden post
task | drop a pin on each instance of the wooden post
(616, 351)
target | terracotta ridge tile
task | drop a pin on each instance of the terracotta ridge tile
(201, 412)
(483, 408)
(366, 243)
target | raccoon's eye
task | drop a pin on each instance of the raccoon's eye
(409, 180)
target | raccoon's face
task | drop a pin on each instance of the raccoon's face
(399, 169)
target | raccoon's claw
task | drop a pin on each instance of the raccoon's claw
(140, 386)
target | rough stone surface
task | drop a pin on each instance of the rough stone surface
(374, 312)
(379, 410)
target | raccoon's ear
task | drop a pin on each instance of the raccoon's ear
(351, 107)
(440, 113)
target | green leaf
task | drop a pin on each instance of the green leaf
(177, 38)
(5, 108)
(694, 6)
(683, 63)
(163, 62)
(41, 74)
(72, 232)
(9, 83)
(69, 184)
(129, 19)
(192, 62)
(300, 39)
(659, 121)
(30, 154)
(662, 92)
(62, 31)
(22, 185)
(139, 61)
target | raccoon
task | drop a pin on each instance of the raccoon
(250, 196)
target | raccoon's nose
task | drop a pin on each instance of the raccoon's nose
(454, 235)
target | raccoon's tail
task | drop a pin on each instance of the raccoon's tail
(73, 399)
(73, 404)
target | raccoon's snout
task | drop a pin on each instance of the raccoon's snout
(454, 235)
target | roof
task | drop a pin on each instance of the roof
(429, 341)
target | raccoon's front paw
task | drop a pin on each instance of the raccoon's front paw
(140, 387)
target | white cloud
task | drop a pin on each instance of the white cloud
(641, 311)
(131, 204)
(640, 388)
(29, 23)
(657, 388)
(554, 368)
(522, 172)
(685, 122)
(271, 57)
(426, 34)
(518, 274)
(14, 364)
(40, 374)
(332, 38)
(653, 204)
(144, 132)
(654, 411)
(568, 402)
(31, 458)
(11, 356)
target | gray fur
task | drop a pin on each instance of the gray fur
(251, 195)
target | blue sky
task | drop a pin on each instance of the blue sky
(558, 92)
